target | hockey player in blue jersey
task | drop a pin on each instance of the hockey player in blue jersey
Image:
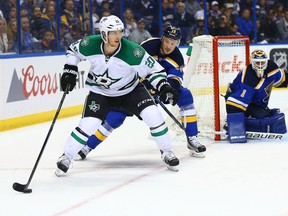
(165, 51)
(248, 96)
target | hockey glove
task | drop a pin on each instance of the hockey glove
(69, 76)
(167, 94)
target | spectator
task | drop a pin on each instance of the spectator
(3, 36)
(66, 37)
(147, 10)
(270, 27)
(222, 29)
(259, 15)
(24, 13)
(192, 6)
(262, 7)
(71, 17)
(228, 11)
(49, 43)
(13, 36)
(167, 12)
(246, 4)
(47, 4)
(28, 5)
(282, 26)
(107, 6)
(183, 20)
(196, 30)
(279, 10)
(234, 30)
(245, 23)
(6, 8)
(36, 22)
(236, 7)
(105, 13)
(200, 13)
(27, 40)
(129, 22)
(12, 13)
(260, 34)
(215, 12)
(140, 33)
(48, 20)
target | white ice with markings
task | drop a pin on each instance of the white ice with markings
(125, 176)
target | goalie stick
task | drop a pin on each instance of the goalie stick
(255, 135)
(24, 187)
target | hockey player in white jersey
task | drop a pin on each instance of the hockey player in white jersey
(113, 82)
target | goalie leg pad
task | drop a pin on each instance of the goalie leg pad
(274, 124)
(236, 128)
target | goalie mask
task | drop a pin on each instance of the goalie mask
(109, 23)
(259, 61)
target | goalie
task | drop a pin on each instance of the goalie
(247, 99)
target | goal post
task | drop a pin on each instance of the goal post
(213, 64)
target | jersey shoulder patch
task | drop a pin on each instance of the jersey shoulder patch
(130, 52)
(90, 45)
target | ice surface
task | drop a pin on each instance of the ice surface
(126, 177)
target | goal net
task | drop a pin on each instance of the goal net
(214, 62)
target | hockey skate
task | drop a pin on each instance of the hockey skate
(63, 165)
(195, 147)
(171, 160)
(82, 154)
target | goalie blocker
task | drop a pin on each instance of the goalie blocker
(238, 124)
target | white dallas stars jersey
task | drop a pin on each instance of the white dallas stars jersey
(118, 74)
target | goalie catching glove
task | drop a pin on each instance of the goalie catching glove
(69, 76)
(167, 94)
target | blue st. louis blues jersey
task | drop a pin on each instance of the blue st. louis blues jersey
(248, 88)
(172, 63)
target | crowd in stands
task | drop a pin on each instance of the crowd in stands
(42, 29)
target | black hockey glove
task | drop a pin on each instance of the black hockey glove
(167, 94)
(69, 76)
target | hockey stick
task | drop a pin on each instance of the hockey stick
(158, 101)
(24, 187)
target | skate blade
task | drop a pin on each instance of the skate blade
(197, 154)
(59, 173)
(173, 168)
(77, 158)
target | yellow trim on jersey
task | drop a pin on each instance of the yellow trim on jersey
(100, 136)
(243, 74)
(171, 61)
(152, 38)
(258, 86)
(236, 105)
(189, 119)
(155, 57)
(283, 78)
(271, 73)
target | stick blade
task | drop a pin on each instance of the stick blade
(21, 188)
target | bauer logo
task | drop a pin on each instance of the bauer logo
(280, 57)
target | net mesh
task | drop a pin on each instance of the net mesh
(198, 77)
